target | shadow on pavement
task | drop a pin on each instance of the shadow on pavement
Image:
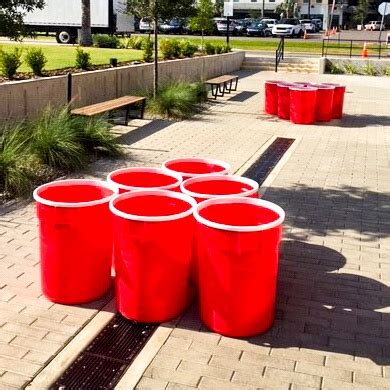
(323, 310)
(359, 121)
(242, 96)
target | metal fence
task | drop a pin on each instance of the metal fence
(354, 48)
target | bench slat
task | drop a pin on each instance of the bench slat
(221, 79)
(110, 105)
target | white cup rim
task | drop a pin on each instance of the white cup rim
(226, 166)
(145, 218)
(242, 229)
(232, 178)
(165, 171)
(68, 182)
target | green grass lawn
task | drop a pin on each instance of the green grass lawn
(59, 57)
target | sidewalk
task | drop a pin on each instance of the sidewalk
(333, 319)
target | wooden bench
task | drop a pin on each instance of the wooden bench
(124, 102)
(222, 84)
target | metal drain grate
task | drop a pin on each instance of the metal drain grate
(262, 167)
(104, 361)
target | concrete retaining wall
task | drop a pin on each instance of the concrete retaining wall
(23, 99)
(358, 62)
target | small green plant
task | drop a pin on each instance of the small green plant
(370, 69)
(10, 62)
(176, 100)
(218, 49)
(351, 68)
(187, 48)
(386, 71)
(333, 68)
(15, 161)
(55, 140)
(96, 137)
(226, 48)
(135, 43)
(209, 48)
(36, 60)
(105, 41)
(83, 59)
(148, 50)
(170, 48)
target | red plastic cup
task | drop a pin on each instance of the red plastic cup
(324, 102)
(338, 100)
(153, 240)
(211, 186)
(238, 240)
(271, 96)
(284, 100)
(303, 104)
(191, 167)
(75, 232)
(130, 179)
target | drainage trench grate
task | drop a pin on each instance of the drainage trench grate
(104, 361)
(263, 166)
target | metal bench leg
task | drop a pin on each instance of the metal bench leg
(142, 109)
(215, 94)
(223, 89)
(235, 87)
(229, 88)
(127, 115)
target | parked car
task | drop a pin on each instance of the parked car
(258, 29)
(291, 27)
(269, 22)
(241, 26)
(308, 25)
(222, 26)
(145, 26)
(318, 24)
(373, 26)
(174, 26)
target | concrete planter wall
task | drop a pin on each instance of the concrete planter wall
(358, 62)
(24, 99)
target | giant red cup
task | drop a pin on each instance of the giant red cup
(303, 104)
(153, 242)
(191, 167)
(211, 186)
(138, 178)
(338, 100)
(284, 100)
(271, 96)
(75, 236)
(238, 243)
(324, 102)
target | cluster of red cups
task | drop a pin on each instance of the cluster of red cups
(304, 103)
(187, 228)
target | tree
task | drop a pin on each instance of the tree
(288, 8)
(361, 11)
(203, 20)
(219, 7)
(11, 16)
(154, 10)
(86, 35)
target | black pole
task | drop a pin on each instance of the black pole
(227, 31)
(69, 87)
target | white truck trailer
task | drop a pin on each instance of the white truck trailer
(64, 18)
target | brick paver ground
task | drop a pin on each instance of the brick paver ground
(333, 318)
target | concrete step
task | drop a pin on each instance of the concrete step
(286, 65)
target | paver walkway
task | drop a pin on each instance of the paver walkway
(333, 317)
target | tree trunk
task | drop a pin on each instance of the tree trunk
(155, 86)
(86, 36)
(202, 44)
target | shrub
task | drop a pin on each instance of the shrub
(226, 48)
(187, 48)
(333, 68)
(83, 59)
(15, 161)
(218, 49)
(135, 43)
(170, 48)
(370, 69)
(386, 71)
(106, 41)
(55, 140)
(200, 91)
(148, 50)
(209, 48)
(351, 68)
(36, 60)
(10, 62)
(174, 100)
(95, 136)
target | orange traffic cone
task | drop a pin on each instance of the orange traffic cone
(305, 35)
(334, 31)
(365, 51)
(326, 33)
